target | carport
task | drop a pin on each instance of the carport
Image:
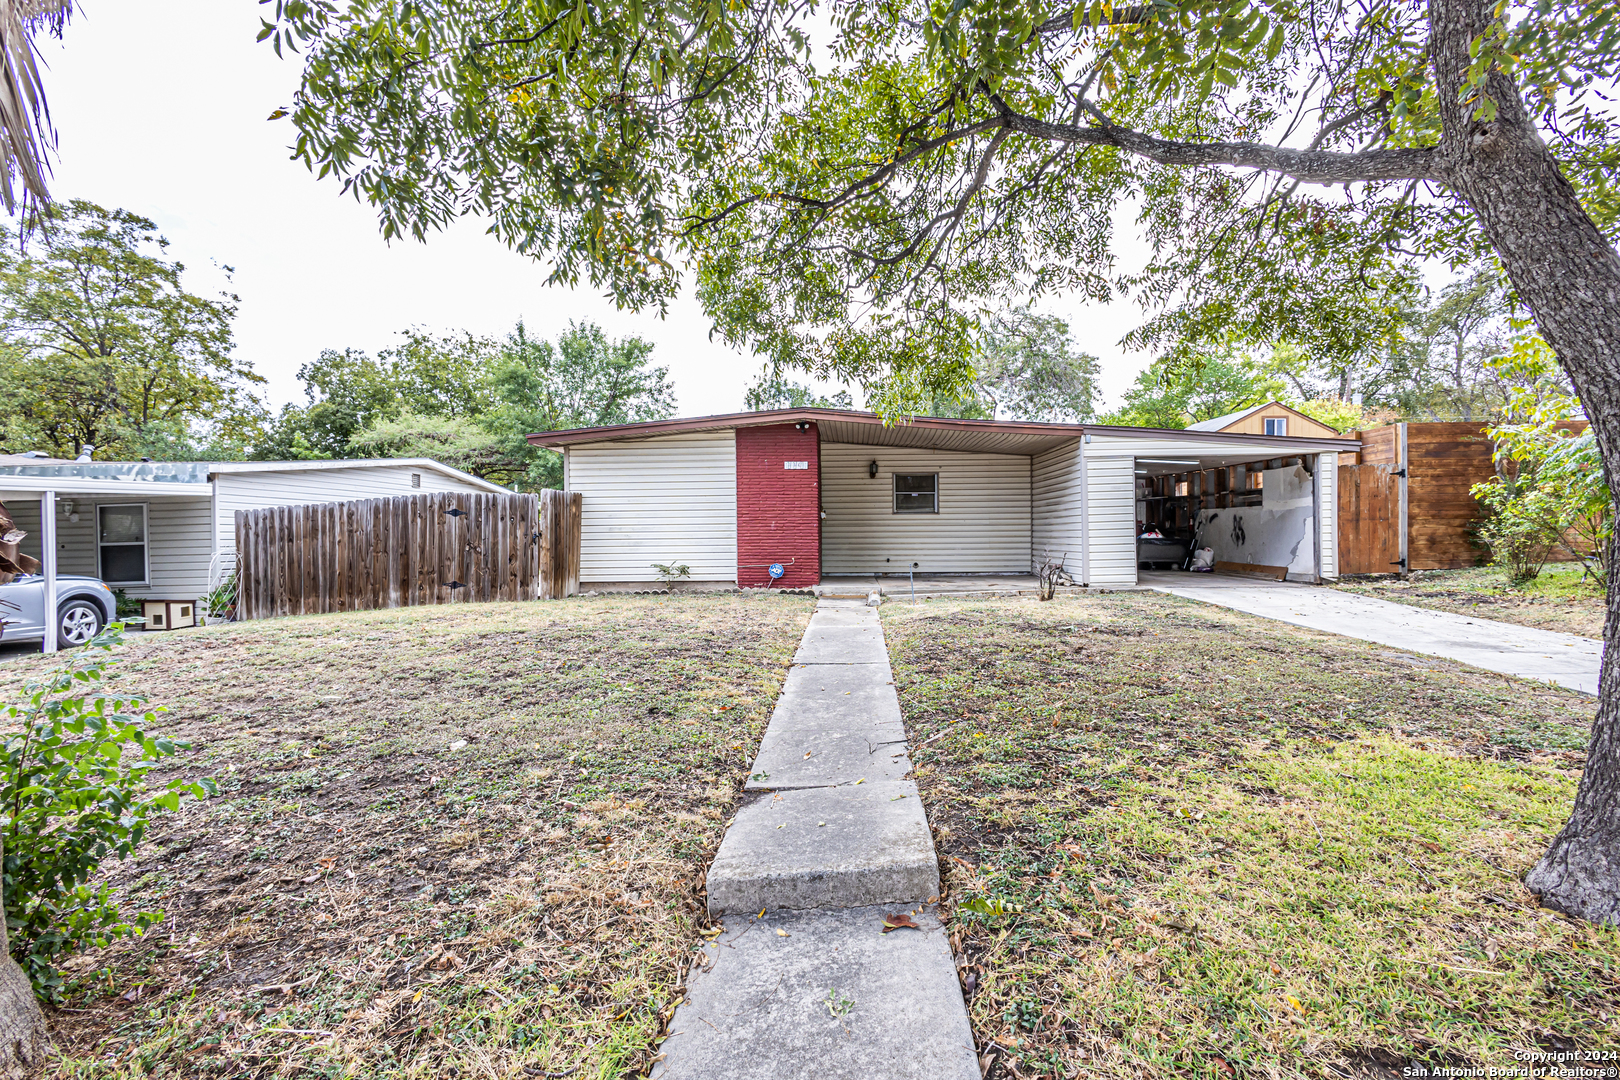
(1259, 516)
(53, 498)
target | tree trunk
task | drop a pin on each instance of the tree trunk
(23, 1036)
(1567, 273)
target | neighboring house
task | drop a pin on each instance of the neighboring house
(166, 529)
(1272, 418)
(828, 492)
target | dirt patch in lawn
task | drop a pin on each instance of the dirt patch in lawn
(1559, 599)
(1180, 841)
(452, 842)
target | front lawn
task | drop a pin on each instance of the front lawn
(1180, 841)
(1561, 598)
(453, 841)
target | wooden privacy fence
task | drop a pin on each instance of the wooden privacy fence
(438, 548)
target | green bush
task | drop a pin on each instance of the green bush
(1521, 527)
(127, 605)
(73, 795)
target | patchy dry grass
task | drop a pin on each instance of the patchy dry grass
(453, 842)
(1242, 849)
(1561, 598)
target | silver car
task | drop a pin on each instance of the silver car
(83, 606)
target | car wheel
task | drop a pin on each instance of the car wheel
(77, 622)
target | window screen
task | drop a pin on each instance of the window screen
(121, 538)
(1276, 425)
(916, 493)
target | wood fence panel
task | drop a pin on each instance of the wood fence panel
(545, 587)
(570, 552)
(1444, 460)
(399, 552)
(1369, 519)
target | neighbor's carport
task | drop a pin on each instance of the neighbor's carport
(21, 494)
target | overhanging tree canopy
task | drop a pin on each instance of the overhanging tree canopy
(857, 215)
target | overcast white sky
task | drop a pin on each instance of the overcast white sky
(166, 117)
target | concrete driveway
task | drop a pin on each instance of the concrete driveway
(1563, 659)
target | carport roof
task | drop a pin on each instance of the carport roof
(927, 432)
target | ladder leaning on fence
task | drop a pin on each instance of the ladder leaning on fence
(218, 604)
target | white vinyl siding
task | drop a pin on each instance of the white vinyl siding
(1327, 502)
(1111, 524)
(253, 490)
(178, 538)
(1057, 520)
(982, 526)
(667, 499)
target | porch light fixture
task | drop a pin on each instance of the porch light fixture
(871, 470)
(803, 425)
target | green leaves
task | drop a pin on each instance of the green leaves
(861, 210)
(73, 794)
(104, 345)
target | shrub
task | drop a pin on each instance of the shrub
(127, 605)
(671, 573)
(1521, 527)
(73, 795)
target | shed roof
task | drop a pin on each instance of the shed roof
(1221, 423)
(1218, 423)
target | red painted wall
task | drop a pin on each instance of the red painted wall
(778, 509)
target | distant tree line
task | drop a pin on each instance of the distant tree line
(102, 346)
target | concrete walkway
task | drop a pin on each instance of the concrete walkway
(830, 840)
(1543, 655)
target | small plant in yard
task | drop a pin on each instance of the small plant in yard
(1048, 574)
(127, 605)
(220, 601)
(672, 572)
(72, 795)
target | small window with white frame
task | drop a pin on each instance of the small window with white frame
(1276, 425)
(916, 493)
(121, 543)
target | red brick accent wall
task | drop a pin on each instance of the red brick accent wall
(778, 509)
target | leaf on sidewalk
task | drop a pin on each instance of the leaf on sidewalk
(899, 921)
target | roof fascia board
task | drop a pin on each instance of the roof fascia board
(99, 485)
(731, 421)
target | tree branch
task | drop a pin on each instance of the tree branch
(1311, 166)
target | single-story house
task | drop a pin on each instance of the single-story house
(830, 492)
(166, 529)
(1272, 418)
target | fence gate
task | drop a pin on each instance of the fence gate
(438, 548)
(1369, 519)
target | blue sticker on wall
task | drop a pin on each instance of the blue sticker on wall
(777, 570)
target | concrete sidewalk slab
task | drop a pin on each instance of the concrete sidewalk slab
(826, 848)
(804, 758)
(836, 697)
(853, 615)
(842, 645)
(830, 997)
(1543, 655)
